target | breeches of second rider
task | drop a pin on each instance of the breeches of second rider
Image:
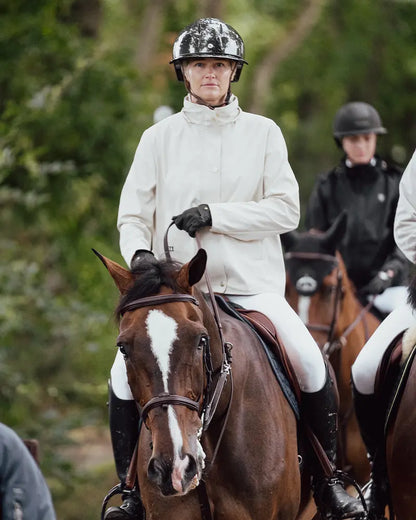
(365, 367)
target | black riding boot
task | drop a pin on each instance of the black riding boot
(124, 422)
(320, 411)
(371, 421)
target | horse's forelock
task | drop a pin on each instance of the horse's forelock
(150, 277)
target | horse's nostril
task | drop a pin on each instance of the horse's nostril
(306, 285)
(157, 470)
(191, 469)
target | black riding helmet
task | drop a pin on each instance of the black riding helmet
(356, 118)
(208, 38)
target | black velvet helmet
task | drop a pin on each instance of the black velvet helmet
(357, 118)
(208, 38)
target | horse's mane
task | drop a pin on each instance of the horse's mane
(411, 290)
(150, 277)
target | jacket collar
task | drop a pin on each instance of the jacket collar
(200, 114)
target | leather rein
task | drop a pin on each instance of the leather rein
(332, 343)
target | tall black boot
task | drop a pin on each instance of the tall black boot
(320, 411)
(370, 418)
(124, 424)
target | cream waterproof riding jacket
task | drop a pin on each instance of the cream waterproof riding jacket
(236, 163)
(405, 221)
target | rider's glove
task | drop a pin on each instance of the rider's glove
(193, 219)
(142, 255)
(382, 281)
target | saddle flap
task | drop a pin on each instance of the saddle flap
(267, 331)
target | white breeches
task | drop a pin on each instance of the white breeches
(365, 367)
(391, 299)
(119, 378)
(302, 350)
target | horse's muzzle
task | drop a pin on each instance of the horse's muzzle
(172, 479)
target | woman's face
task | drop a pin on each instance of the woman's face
(360, 149)
(209, 79)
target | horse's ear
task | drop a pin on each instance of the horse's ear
(335, 233)
(192, 272)
(121, 276)
(289, 240)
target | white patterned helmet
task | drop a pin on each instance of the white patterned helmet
(208, 38)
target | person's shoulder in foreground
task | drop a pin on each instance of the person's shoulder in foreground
(24, 492)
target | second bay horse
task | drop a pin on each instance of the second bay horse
(319, 290)
(400, 428)
(219, 438)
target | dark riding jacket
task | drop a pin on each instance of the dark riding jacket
(369, 194)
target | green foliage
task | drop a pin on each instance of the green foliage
(72, 110)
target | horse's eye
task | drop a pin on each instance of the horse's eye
(203, 342)
(122, 348)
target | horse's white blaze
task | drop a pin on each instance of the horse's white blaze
(303, 308)
(179, 465)
(161, 330)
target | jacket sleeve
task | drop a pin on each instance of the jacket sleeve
(137, 202)
(316, 212)
(405, 220)
(277, 212)
(24, 492)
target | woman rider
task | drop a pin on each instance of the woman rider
(223, 172)
(366, 187)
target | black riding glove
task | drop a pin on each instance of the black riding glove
(142, 255)
(193, 219)
(382, 281)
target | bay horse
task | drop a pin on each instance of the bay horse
(320, 291)
(217, 442)
(400, 427)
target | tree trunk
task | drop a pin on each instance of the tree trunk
(149, 33)
(279, 51)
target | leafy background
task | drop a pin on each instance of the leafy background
(79, 82)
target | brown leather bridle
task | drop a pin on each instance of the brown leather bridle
(332, 344)
(163, 398)
(211, 397)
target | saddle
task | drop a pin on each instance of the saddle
(272, 345)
